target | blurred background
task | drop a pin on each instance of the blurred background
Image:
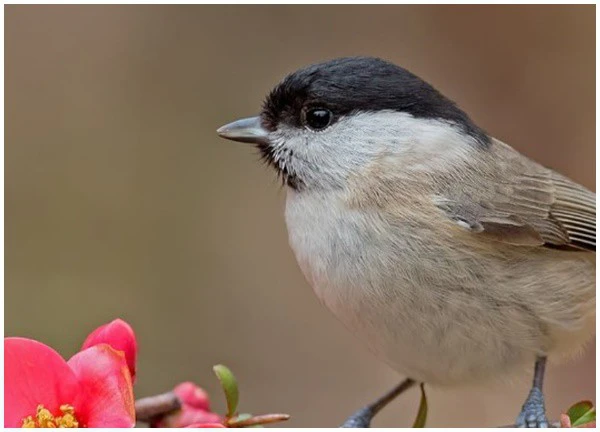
(122, 202)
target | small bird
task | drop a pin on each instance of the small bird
(452, 256)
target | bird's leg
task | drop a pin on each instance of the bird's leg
(533, 413)
(362, 418)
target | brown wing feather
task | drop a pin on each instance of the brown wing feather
(523, 203)
(574, 208)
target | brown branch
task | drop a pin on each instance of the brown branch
(151, 407)
(259, 420)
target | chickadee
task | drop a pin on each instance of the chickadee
(454, 257)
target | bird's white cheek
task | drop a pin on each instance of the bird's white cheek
(320, 159)
(406, 145)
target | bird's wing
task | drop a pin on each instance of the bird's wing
(525, 204)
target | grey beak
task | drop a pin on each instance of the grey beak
(247, 130)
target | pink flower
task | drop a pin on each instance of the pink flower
(191, 395)
(41, 389)
(195, 409)
(119, 335)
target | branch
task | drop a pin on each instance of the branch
(259, 420)
(151, 407)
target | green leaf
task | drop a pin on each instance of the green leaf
(422, 413)
(589, 417)
(582, 413)
(230, 388)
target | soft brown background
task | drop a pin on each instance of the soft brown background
(122, 202)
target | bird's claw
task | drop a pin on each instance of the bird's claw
(533, 413)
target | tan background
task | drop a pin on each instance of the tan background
(122, 202)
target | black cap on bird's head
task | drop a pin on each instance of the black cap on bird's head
(360, 84)
(354, 84)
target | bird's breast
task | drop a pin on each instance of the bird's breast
(368, 274)
(421, 292)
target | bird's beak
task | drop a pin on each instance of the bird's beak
(247, 130)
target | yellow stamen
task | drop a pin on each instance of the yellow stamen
(44, 418)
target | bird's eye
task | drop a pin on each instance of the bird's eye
(318, 118)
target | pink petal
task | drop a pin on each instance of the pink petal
(187, 416)
(565, 421)
(119, 335)
(206, 425)
(192, 395)
(106, 398)
(34, 374)
(191, 415)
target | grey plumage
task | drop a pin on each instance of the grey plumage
(518, 201)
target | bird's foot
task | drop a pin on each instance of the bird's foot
(363, 417)
(359, 419)
(533, 413)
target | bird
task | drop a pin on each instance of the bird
(453, 257)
